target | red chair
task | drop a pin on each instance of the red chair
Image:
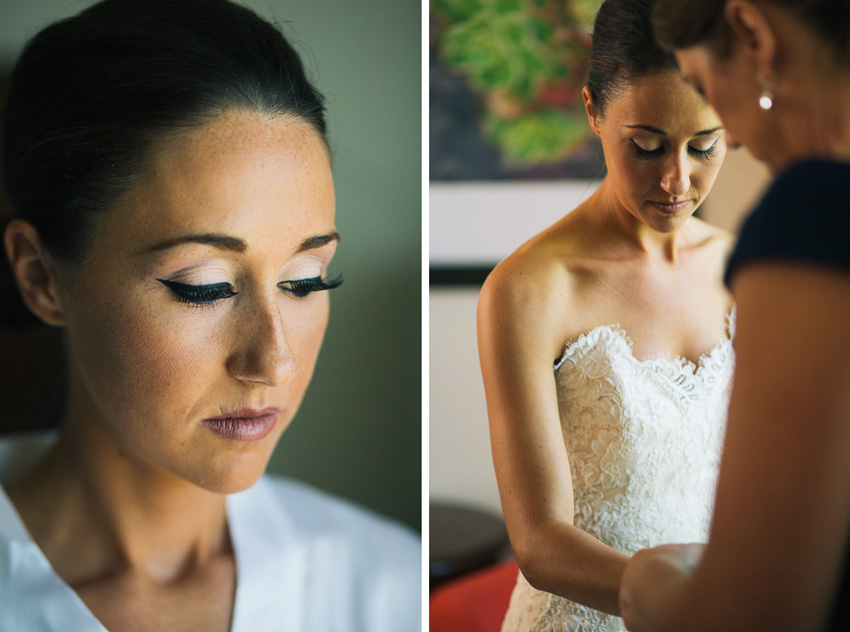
(474, 603)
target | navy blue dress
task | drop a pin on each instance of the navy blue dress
(805, 218)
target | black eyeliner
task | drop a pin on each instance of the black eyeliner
(302, 287)
(199, 294)
(646, 154)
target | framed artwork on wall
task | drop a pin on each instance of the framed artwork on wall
(510, 148)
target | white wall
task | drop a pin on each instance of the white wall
(461, 466)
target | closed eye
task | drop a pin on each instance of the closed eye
(199, 294)
(704, 154)
(299, 288)
(701, 154)
(647, 154)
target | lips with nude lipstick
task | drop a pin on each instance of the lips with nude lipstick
(670, 208)
(244, 425)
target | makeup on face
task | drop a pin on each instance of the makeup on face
(671, 208)
(195, 285)
(195, 326)
(244, 425)
(652, 143)
(663, 147)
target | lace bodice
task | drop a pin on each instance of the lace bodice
(644, 440)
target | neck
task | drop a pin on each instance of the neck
(97, 511)
(631, 232)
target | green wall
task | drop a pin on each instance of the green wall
(358, 431)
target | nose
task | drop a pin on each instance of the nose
(263, 354)
(676, 178)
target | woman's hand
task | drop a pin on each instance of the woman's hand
(653, 570)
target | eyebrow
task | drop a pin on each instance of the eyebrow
(222, 242)
(655, 130)
(234, 244)
(311, 243)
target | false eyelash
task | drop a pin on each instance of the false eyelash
(705, 154)
(300, 288)
(702, 154)
(646, 154)
(199, 294)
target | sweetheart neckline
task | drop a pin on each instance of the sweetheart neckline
(662, 359)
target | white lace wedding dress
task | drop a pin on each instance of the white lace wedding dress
(644, 440)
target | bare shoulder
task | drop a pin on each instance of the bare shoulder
(531, 292)
(532, 273)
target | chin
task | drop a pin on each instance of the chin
(667, 225)
(233, 466)
(230, 475)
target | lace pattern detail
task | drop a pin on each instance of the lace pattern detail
(644, 439)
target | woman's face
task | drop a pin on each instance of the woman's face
(663, 147)
(195, 324)
(730, 88)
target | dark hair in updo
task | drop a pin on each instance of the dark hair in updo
(623, 49)
(685, 23)
(91, 95)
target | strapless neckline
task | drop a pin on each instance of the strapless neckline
(618, 337)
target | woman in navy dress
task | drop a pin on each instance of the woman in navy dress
(778, 74)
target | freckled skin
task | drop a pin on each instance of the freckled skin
(129, 506)
(664, 101)
(147, 368)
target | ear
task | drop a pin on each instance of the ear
(754, 33)
(32, 271)
(590, 108)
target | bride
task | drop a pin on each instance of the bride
(605, 345)
(171, 173)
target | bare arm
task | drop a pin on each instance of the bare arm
(783, 504)
(518, 338)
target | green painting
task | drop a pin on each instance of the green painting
(506, 79)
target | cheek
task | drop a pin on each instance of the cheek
(136, 358)
(631, 176)
(306, 327)
(704, 175)
(149, 366)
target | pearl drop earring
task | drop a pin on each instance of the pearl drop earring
(766, 98)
